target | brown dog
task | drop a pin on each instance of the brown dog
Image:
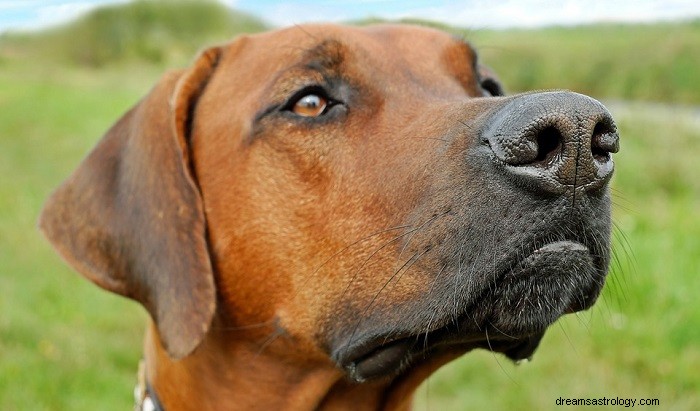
(320, 217)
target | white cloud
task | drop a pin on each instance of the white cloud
(479, 13)
(533, 13)
(16, 4)
(475, 14)
(44, 13)
(230, 3)
(62, 12)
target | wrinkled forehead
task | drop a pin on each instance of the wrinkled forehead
(392, 50)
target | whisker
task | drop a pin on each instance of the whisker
(365, 261)
(413, 233)
(391, 278)
(309, 276)
(269, 340)
(427, 330)
(488, 341)
(356, 242)
(245, 327)
(566, 334)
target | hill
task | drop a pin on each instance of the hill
(149, 31)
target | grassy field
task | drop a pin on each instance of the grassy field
(641, 62)
(66, 345)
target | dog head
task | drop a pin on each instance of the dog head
(368, 192)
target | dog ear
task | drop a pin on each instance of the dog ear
(131, 218)
(490, 81)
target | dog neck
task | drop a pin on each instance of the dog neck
(237, 375)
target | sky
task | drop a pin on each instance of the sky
(474, 14)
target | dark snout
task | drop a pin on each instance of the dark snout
(524, 238)
(555, 141)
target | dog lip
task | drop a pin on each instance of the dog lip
(381, 357)
(384, 357)
(551, 249)
(373, 360)
(561, 246)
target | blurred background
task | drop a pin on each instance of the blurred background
(68, 70)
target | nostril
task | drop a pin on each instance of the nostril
(604, 141)
(549, 142)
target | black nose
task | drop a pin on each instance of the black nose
(554, 141)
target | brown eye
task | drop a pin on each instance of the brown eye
(311, 105)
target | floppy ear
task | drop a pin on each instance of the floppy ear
(131, 219)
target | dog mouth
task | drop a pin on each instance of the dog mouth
(392, 358)
(510, 318)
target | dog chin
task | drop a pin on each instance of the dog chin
(556, 279)
(510, 318)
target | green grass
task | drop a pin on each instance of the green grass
(66, 345)
(641, 62)
(63, 344)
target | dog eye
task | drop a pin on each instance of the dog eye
(310, 105)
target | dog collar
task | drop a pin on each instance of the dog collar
(145, 399)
